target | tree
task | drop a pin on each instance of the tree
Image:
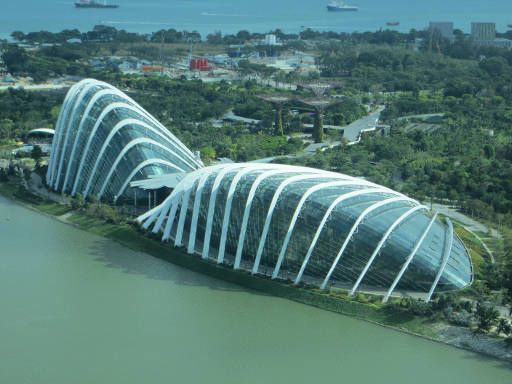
(486, 315)
(504, 327)
(37, 154)
(318, 127)
(18, 35)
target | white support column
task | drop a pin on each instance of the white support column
(78, 104)
(409, 258)
(159, 211)
(62, 127)
(212, 203)
(195, 213)
(270, 212)
(183, 214)
(227, 212)
(152, 218)
(170, 220)
(247, 211)
(446, 256)
(166, 206)
(297, 212)
(58, 130)
(353, 230)
(85, 116)
(321, 226)
(381, 243)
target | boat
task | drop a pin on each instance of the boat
(392, 23)
(339, 6)
(94, 4)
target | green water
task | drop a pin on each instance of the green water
(76, 308)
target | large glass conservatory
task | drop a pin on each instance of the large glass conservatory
(310, 226)
(298, 224)
(104, 140)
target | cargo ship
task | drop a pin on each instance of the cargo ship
(339, 6)
(94, 4)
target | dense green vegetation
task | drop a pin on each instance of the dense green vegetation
(22, 111)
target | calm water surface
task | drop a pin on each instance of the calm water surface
(231, 16)
(76, 308)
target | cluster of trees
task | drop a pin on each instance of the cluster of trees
(22, 111)
(100, 33)
(44, 64)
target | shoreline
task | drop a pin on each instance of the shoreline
(129, 236)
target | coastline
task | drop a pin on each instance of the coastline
(131, 237)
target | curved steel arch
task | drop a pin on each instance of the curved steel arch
(270, 213)
(227, 212)
(248, 206)
(127, 147)
(195, 212)
(58, 131)
(296, 213)
(321, 226)
(83, 93)
(122, 124)
(381, 243)
(142, 165)
(409, 258)
(361, 217)
(446, 256)
(211, 210)
(90, 105)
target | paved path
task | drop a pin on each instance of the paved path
(452, 213)
(352, 132)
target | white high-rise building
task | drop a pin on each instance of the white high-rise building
(445, 28)
(483, 31)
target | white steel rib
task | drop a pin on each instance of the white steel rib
(83, 93)
(142, 165)
(248, 206)
(298, 210)
(227, 214)
(117, 128)
(273, 203)
(446, 256)
(130, 145)
(195, 212)
(361, 217)
(211, 208)
(409, 258)
(381, 243)
(334, 204)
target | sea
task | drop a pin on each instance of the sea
(230, 16)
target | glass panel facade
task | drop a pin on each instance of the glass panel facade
(104, 140)
(331, 232)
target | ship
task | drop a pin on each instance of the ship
(94, 4)
(339, 6)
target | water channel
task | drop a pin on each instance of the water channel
(77, 308)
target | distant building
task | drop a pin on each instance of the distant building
(270, 39)
(485, 34)
(445, 28)
(498, 43)
(483, 31)
(199, 64)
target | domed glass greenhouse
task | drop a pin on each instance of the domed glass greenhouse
(298, 224)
